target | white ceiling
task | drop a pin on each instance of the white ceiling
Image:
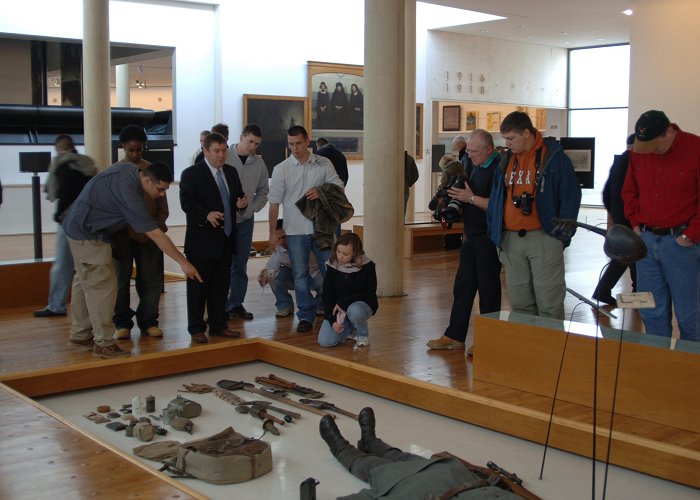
(586, 22)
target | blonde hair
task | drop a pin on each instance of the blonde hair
(445, 160)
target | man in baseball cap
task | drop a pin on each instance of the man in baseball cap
(661, 196)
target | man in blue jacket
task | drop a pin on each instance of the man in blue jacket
(535, 182)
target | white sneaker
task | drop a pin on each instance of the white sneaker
(285, 311)
(362, 341)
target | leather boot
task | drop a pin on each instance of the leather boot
(343, 451)
(369, 442)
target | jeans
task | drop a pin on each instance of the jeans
(149, 281)
(670, 273)
(284, 281)
(358, 314)
(61, 274)
(239, 264)
(479, 271)
(300, 247)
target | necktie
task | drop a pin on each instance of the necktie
(228, 222)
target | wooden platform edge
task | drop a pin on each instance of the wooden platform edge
(667, 461)
(142, 466)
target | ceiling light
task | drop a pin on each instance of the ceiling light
(562, 33)
(484, 30)
(628, 12)
(521, 26)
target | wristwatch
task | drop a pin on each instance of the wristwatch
(687, 239)
(471, 202)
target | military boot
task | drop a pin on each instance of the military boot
(369, 442)
(343, 451)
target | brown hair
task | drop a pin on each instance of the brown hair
(348, 239)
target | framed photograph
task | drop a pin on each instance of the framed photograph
(493, 120)
(472, 120)
(581, 150)
(419, 130)
(451, 118)
(274, 115)
(336, 105)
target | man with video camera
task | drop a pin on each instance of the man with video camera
(534, 183)
(479, 268)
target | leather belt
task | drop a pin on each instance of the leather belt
(665, 231)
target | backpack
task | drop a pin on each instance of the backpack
(226, 457)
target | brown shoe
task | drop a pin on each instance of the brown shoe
(87, 342)
(152, 331)
(122, 334)
(226, 332)
(108, 351)
(445, 343)
(199, 338)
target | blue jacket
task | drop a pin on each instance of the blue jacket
(558, 194)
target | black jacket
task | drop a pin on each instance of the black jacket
(340, 163)
(345, 288)
(612, 192)
(199, 195)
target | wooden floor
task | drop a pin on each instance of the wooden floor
(398, 332)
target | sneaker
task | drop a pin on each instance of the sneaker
(285, 311)
(152, 331)
(445, 343)
(122, 333)
(108, 351)
(304, 326)
(84, 342)
(239, 313)
(47, 313)
(362, 342)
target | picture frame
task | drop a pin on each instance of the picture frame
(336, 105)
(493, 120)
(471, 120)
(451, 118)
(419, 131)
(581, 151)
(274, 115)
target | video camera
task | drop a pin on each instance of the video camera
(445, 208)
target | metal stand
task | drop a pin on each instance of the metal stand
(36, 211)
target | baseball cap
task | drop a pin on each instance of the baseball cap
(649, 127)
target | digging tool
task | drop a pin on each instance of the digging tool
(232, 385)
(276, 381)
(291, 415)
(262, 414)
(325, 405)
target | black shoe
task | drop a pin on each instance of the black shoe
(239, 313)
(304, 326)
(367, 422)
(606, 299)
(47, 313)
(332, 436)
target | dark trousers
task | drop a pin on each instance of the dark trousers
(479, 271)
(612, 275)
(149, 281)
(211, 294)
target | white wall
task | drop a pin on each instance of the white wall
(664, 69)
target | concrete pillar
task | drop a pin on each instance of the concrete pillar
(410, 98)
(122, 84)
(384, 141)
(97, 114)
(664, 72)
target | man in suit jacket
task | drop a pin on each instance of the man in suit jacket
(210, 195)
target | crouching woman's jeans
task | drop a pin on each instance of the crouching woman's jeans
(356, 319)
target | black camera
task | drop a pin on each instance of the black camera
(445, 208)
(524, 203)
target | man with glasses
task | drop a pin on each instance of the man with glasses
(479, 269)
(534, 183)
(295, 178)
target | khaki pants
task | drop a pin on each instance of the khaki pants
(94, 291)
(534, 266)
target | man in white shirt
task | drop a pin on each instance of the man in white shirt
(296, 177)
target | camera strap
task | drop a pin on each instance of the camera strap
(538, 161)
